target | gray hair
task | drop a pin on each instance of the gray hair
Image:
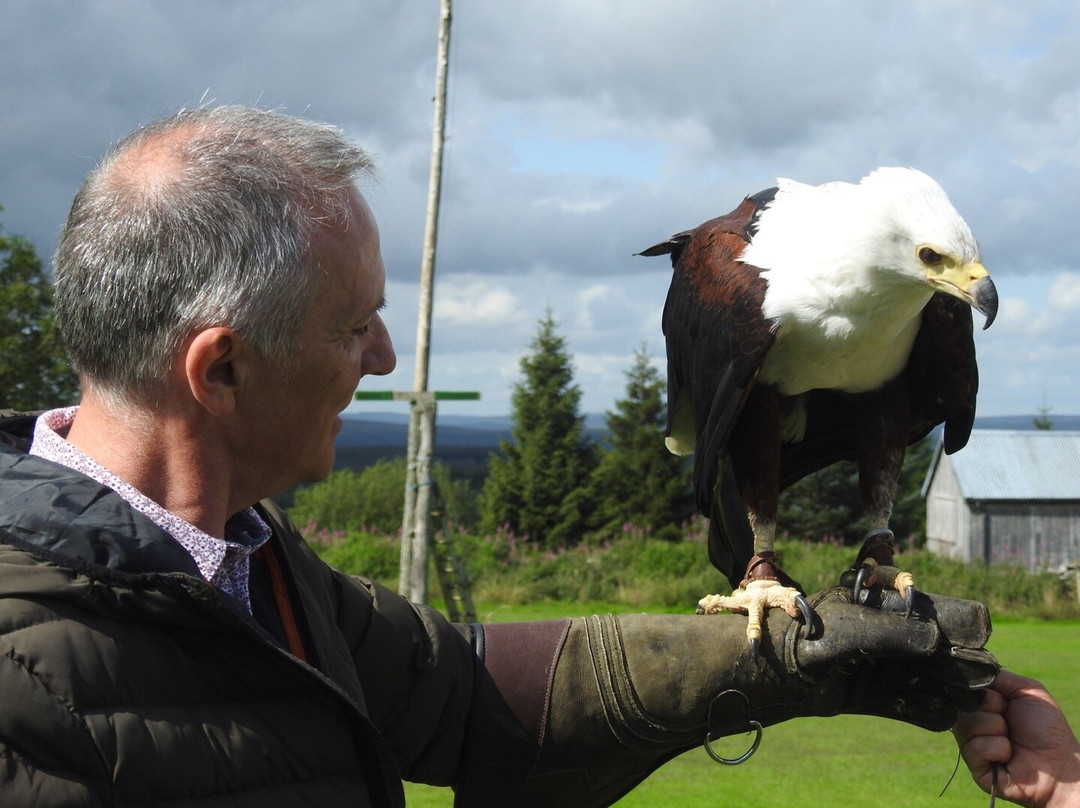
(200, 219)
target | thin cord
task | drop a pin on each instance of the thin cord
(956, 768)
(993, 779)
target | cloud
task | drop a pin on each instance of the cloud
(580, 133)
(1065, 293)
(1032, 351)
(477, 304)
(1014, 316)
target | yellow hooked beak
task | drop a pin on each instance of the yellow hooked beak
(969, 282)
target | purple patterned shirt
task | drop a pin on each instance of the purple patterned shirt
(224, 563)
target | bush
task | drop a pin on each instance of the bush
(374, 499)
(641, 571)
(358, 552)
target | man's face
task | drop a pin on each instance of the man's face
(343, 339)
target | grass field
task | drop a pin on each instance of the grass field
(848, 761)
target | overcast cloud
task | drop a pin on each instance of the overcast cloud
(580, 133)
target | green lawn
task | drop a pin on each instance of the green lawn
(849, 761)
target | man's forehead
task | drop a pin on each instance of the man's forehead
(349, 264)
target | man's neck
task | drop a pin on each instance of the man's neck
(164, 457)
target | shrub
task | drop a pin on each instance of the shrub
(374, 499)
(359, 553)
(640, 571)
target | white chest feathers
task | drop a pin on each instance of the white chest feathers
(846, 289)
(852, 341)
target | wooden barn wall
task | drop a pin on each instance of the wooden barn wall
(1035, 535)
(947, 517)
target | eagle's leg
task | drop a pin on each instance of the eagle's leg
(757, 464)
(883, 439)
(765, 586)
(874, 566)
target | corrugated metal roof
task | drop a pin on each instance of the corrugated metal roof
(1022, 465)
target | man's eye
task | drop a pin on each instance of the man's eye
(362, 330)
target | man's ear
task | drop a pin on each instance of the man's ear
(215, 366)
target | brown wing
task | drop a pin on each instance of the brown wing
(941, 379)
(717, 338)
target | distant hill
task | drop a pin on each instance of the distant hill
(1064, 423)
(464, 442)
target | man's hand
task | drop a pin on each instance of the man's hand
(1021, 730)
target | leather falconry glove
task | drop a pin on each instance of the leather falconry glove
(575, 713)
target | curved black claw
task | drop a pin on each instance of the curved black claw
(909, 601)
(809, 617)
(860, 580)
(755, 648)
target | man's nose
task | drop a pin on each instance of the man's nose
(380, 359)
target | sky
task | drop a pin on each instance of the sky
(579, 134)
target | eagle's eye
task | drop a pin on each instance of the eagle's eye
(930, 256)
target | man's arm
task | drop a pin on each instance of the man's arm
(576, 713)
(409, 668)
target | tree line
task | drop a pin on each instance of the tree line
(550, 485)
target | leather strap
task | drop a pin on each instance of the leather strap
(284, 604)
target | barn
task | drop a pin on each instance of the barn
(1009, 496)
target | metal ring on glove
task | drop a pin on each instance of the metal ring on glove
(754, 727)
(751, 726)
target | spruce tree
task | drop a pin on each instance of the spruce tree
(639, 482)
(34, 371)
(538, 488)
(1043, 420)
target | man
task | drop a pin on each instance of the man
(169, 637)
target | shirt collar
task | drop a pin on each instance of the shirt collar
(245, 531)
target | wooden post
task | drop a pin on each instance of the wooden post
(408, 533)
(415, 527)
(425, 451)
(412, 572)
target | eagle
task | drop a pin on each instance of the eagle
(813, 324)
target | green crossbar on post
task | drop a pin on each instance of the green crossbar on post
(374, 395)
(453, 578)
(438, 395)
(457, 395)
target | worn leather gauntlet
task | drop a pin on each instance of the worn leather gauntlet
(575, 713)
